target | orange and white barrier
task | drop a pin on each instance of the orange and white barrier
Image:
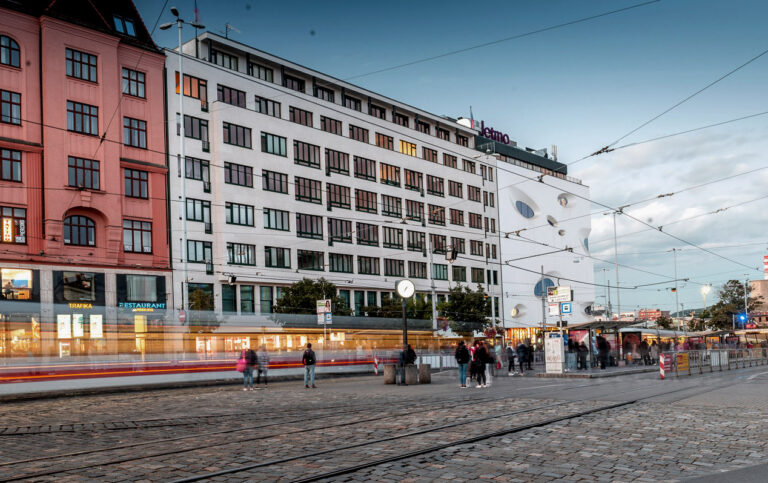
(661, 366)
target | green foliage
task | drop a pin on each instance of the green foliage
(201, 307)
(731, 296)
(664, 322)
(302, 297)
(417, 307)
(466, 309)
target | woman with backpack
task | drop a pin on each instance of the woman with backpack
(462, 359)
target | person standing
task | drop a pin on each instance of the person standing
(308, 359)
(529, 353)
(402, 361)
(654, 353)
(480, 356)
(490, 363)
(250, 362)
(263, 357)
(602, 350)
(462, 359)
(582, 355)
(510, 353)
(522, 356)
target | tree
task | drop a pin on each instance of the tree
(731, 302)
(417, 307)
(201, 307)
(302, 297)
(664, 322)
(466, 309)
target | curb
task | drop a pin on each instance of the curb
(596, 375)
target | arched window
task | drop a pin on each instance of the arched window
(540, 289)
(79, 230)
(9, 52)
(524, 209)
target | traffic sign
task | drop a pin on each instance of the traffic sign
(182, 316)
(554, 309)
(328, 318)
(565, 308)
(559, 294)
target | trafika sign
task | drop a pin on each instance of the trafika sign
(490, 133)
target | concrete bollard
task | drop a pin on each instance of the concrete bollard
(411, 374)
(390, 371)
(425, 373)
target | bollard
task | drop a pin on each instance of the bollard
(425, 373)
(390, 372)
(661, 366)
(411, 374)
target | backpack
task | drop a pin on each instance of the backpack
(309, 357)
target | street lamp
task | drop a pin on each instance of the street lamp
(405, 289)
(705, 289)
(182, 159)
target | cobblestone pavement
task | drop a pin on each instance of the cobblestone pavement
(297, 433)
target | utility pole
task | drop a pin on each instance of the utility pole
(610, 312)
(616, 260)
(432, 288)
(746, 301)
(677, 307)
(543, 305)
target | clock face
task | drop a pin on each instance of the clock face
(405, 288)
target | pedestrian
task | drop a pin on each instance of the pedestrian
(402, 361)
(581, 354)
(480, 357)
(411, 355)
(654, 350)
(490, 363)
(529, 353)
(603, 349)
(462, 359)
(308, 359)
(248, 357)
(473, 367)
(263, 357)
(510, 353)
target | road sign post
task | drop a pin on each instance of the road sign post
(324, 316)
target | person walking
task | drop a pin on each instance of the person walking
(529, 353)
(654, 353)
(263, 357)
(480, 357)
(249, 357)
(490, 363)
(522, 356)
(462, 359)
(308, 359)
(581, 354)
(510, 353)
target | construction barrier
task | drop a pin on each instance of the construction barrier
(690, 362)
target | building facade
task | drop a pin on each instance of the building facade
(82, 180)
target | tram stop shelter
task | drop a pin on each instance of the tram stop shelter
(608, 328)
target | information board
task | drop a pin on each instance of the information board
(554, 354)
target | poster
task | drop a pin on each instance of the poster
(97, 331)
(77, 325)
(63, 326)
(554, 353)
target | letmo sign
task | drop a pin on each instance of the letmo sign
(490, 133)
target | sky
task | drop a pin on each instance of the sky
(581, 87)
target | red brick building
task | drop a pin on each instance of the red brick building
(652, 314)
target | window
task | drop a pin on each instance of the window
(377, 111)
(300, 116)
(473, 193)
(325, 94)
(277, 257)
(265, 299)
(367, 234)
(247, 302)
(339, 196)
(368, 266)
(276, 219)
(459, 274)
(439, 271)
(137, 236)
(194, 88)
(81, 65)
(458, 245)
(83, 173)
(136, 184)
(134, 133)
(9, 52)
(400, 119)
(476, 248)
(10, 107)
(417, 269)
(462, 140)
(422, 126)
(366, 201)
(468, 166)
(524, 209)
(124, 25)
(416, 241)
(10, 166)
(293, 83)
(540, 289)
(237, 214)
(336, 162)
(450, 160)
(338, 262)
(457, 217)
(196, 128)
(475, 220)
(339, 230)
(310, 260)
(78, 230)
(133, 83)
(198, 169)
(389, 174)
(229, 95)
(266, 106)
(238, 174)
(229, 298)
(493, 252)
(445, 135)
(198, 210)
(414, 210)
(241, 254)
(455, 189)
(438, 244)
(358, 133)
(82, 118)
(394, 268)
(435, 185)
(413, 180)
(384, 141)
(352, 103)
(393, 237)
(261, 72)
(436, 215)
(391, 206)
(330, 125)
(14, 224)
(478, 275)
(309, 226)
(241, 136)
(365, 168)
(225, 60)
(308, 190)
(272, 181)
(407, 148)
(429, 154)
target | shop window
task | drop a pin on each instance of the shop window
(78, 286)
(200, 296)
(141, 288)
(16, 283)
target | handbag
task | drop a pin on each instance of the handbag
(240, 365)
(498, 365)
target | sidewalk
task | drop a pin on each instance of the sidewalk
(595, 373)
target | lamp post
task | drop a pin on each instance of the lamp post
(405, 289)
(705, 289)
(181, 158)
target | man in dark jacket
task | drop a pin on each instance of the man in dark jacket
(510, 353)
(402, 361)
(308, 359)
(522, 356)
(462, 359)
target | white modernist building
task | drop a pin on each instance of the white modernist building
(291, 173)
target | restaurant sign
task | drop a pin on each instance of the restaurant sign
(142, 306)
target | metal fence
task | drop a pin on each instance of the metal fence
(701, 361)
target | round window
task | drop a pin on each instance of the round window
(563, 200)
(561, 232)
(541, 287)
(551, 220)
(524, 209)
